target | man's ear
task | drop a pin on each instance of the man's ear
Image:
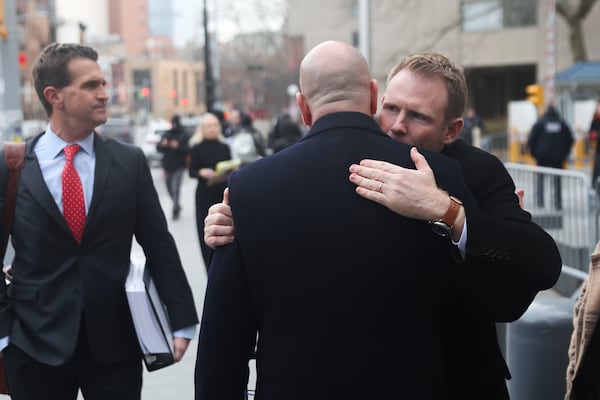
(374, 88)
(453, 130)
(304, 109)
(52, 95)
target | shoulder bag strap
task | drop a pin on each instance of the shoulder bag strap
(14, 155)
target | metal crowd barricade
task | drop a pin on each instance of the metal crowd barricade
(537, 343)
(573, 223)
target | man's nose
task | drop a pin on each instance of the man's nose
(103, 93)
(398, 127)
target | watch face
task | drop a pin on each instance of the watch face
(440, 228)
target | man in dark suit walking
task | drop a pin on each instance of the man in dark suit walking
(64, 320)
(344, 295)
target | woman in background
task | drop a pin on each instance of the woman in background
(208, 147)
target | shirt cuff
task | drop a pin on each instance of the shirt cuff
(462, 241)
(188, 333)
(4, 342)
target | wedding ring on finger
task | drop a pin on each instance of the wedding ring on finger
(380, 190)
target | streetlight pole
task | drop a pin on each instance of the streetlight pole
(209, 79)
(550, 52)
(364, 31)
(52, 20)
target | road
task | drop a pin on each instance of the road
(177, 381)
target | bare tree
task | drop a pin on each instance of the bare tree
(256, 63)
(574, 16)
(256, 69)
(251, 15)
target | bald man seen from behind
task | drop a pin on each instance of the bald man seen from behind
(340, 296)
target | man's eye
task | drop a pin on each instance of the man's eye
(96, 84)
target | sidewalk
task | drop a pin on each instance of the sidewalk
(176, 382)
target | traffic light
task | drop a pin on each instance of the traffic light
(3, 28)
(22, 60)
(144, 92)
(535, 94)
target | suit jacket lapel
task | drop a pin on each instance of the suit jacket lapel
(103, 161)
(31, 177)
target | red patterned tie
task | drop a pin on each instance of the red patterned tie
(72, 194)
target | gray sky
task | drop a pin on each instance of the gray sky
(228, 16)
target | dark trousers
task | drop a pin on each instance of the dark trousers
(29, 379)
(555, 186)
(174, 179)
(478, 391)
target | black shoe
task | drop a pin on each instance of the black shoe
(176, 213)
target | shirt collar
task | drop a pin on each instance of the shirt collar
(55, 144)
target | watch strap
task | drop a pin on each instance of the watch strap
(452, 211)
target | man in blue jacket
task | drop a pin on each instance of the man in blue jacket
(550, 144)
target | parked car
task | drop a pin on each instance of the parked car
(119, 128)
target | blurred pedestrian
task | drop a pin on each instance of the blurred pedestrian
(369, 327)
(174, 146)
(245, 141)
(594, 135)
(234, 122)
(472, 128)
(550, 144)
(222, 119)
(284, 133)
(208, 147)
(65, 325)
(422, 106)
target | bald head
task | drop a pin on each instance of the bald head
(335, 77)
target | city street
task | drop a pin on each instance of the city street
(177, 381)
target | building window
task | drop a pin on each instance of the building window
(482, 16)
(519, 13)
(198, 84)
(185, 84)
(355, 8)
(142, 83)
(493, 15)
(175, 92)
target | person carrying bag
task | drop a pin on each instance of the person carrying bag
(14, 155)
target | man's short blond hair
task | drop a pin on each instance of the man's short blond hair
(436, 65)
